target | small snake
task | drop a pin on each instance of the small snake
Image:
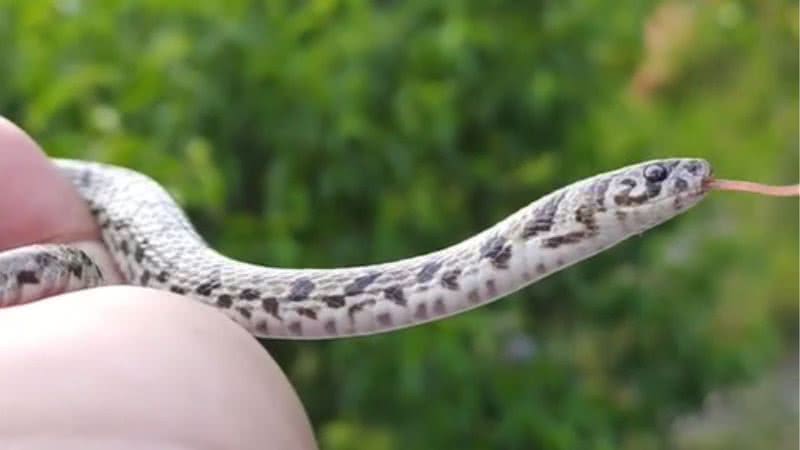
(154, 244)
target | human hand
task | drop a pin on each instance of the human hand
(123, 367)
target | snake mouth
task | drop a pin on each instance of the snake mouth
(707, 184)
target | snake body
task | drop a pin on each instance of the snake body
(154, 244)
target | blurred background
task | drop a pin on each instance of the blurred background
(339, 132)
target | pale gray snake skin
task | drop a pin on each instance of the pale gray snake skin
(154, 245)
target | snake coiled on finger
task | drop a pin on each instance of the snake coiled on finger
(153, 244)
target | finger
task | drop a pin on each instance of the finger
(38, 205)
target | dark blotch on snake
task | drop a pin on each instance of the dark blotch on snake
(359, 306)
(421, 311)
(395, 294)
(541, 268)
(177, 289)
(543, 217)
(491, 287)
(206, 288)
(124, 248)
(334, 301)
(244, 312)
(599, 190)
(162, 276)
(653, 189)
(270, 305)
(384, 319)
(428, 271)
(44, 259)
(568, 238)
(27, 277)
(497, 250)
(681, 184)
(300, 289)
(438, 306)
(224, 301)
(138, 255)
(295, 328)
(261, 327)
(330, 327)
(76, 269)
(450, 279)
(307, 312)
(144, 278)
(359, 284)
(473, 296)
(585, 215)
(249, 294)
(120, 225)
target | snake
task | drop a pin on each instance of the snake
(153, 244)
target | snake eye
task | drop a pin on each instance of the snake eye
(655, 173)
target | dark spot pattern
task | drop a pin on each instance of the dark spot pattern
(428, 271)
(307, 312)
(244, 312)
(138, 254)
(224, 301)
(295, 328)
(144, 278)
(177, 289)
(249, 294)
(395, 294)
(384, 319)
(334, 301)
(422, 311)
(491, 288)
(498, 250)
(599, 190)
(624, 198)
(330, 326)
(206, 288)
(543, 216)
(162, 276)
(300, 289)
(541, 268)
(653, 189)
(438, 306)
(585, 215)
(360, 284)
(27, 277)
(450, 279)
(563, 239)
(473, 296)
(270, 306)
(44, 259)
(358, 307)
(76, 269)
(262, 327)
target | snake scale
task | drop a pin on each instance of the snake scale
(154, 244)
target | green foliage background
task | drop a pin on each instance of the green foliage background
(338, 132)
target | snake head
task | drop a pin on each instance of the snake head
(657, 190)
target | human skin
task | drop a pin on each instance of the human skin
(123, 367)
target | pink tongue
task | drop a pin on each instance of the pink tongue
(756, 188)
